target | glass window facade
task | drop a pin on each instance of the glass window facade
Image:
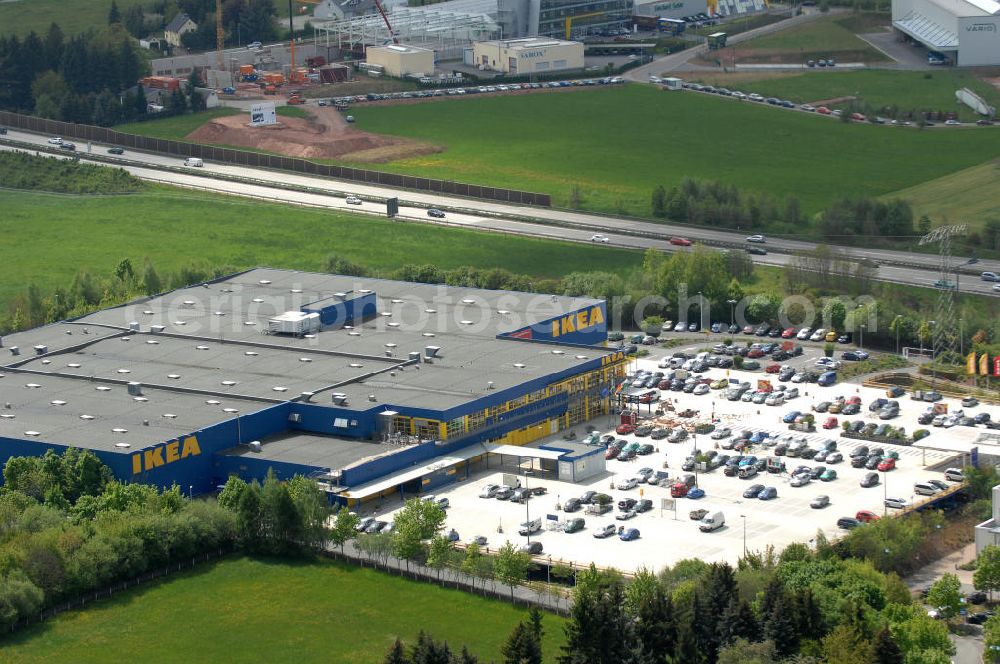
(587, 17)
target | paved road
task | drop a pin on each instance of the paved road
(500, 217)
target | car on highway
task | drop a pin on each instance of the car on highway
(254, 44)
(353, 200)
(55, 140)
(756, 239)
(680, 242)
(597, 237)
(116, 151)
(436, 213)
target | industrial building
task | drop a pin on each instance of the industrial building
(374, 387)
(530, 55)
(964, 32)
(400, 60)
(672, 8)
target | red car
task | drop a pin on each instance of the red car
(866, 516)
(886, 465)
(664, 384)
(823, 110)
(625, 429)
(855, 399)
(748, 329)
(755, 353)
(772, 368)
(788, 333)
(858, 117)
(612, 452)
(680, 242)
(678, 490)
(830, 423)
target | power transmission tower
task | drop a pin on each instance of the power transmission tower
(944, 334)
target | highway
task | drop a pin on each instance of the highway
(898, 267)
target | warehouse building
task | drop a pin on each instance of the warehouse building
(372, 386)
(399, 60)
(531, 55)
(964, 32)
(672, 8)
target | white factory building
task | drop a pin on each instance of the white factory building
(401, 60)
(531, 55)
(967, 32)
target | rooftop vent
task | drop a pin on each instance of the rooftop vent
(201, 347)
(305, 359)
(147, 312)
(371, 397)
(41, 349)
(307, 396)
(249, 322)
(355, 365)
(126, 338)
(430, 311)
(169, 416)
(157, 329)
(229, 383)
(581, 357)
(431, 351)
(338, 399)
(135, 389)
(86, 418)
(173, 376)
(365, 290)
(122, 446)
(180, 322)
(119, 430)
(414, 356)
(258, 300)
(33, 434)
(188, 303)
(102, 388)
(145, 423)
(219, 313)
(396, 300)
(264, 282)
(124, 371)
(428, 334)
(279, 388)
(140, 399)
(134, 326)
(14, 350)
(32, 386)
(57, 402)
(296, 290)
(519, 365)
(251, 353)
(393, 324)
(231, 411)
(46, 361)
(558, 352)
(468, 300)
(255, 446)
(489, 385)
(212, 402)
(340, 295)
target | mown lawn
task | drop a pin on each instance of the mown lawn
(178, 126)
(617, 144)
(968, 196)
(57, 235)
(22, 16)
(904, 90)
(260, 610)
(828, 37)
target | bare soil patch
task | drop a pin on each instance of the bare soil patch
(325, 135)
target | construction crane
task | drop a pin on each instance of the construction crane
(220, 37)
(392, 33)
(291, 32)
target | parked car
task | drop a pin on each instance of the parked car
(629, 534)
(847, 522)
(869, 480)
(819, 502)
(532, 548)
(896, 503)
(769, 493)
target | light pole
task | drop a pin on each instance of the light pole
(895, 323)
(961, 337)
(933, 367)
(527, 516)
(732, 311)
(885, 492)
(744, 517)
(861, 344)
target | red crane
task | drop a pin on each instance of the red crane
(392, 33)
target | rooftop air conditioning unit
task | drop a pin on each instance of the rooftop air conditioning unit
(431, 351)
(306, 396)
(134, 326)
(14, 350)
(157, 329)
(415, 356)
(135, 389)
(41, 349)
(254, 446)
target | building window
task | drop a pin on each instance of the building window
(541, 66)
(560, 64)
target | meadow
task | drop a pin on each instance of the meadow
(967, 197)
(22, 16)
(646, 137)
(904, 90)
(176, 127)
(828, 37)
(176, 227)
(249, 609)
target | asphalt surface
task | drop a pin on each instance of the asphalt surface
(921, 269)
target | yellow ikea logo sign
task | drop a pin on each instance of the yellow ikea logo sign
(611, 359)
(578, 322)
(161, 455)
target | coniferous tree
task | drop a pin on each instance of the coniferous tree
(885, 648)
(114, 16)
(656, 629)
(396, 654)
(781, 626)
(738, 622)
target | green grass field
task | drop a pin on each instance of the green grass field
(906, 90)
(827, 37)
(549, 143)
(174, 227)
(178, 126)
(251, 610)
(967, 197)
(23, 16)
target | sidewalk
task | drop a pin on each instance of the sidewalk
(930, 573)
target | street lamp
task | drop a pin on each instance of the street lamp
(932, 323)
(895, 323)
(732, 311)
(744, 517)
(861, 344)
(527, 516)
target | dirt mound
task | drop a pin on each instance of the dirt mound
(324, 135)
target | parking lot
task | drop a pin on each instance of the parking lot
(667, 536)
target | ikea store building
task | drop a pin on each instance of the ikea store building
(373, 387)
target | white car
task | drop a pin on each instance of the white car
(897, 503)
(628, 483)
(775, 399)
(807, 108)
(996, 287)
(55, 141)
(600, 238)
(353, 200)
(818, 335)
(702, 389)
(723, 432)
(254, 44)
(798, 378)
(952, 123)
(803, 334)
(829, 363)
(758, 239)
(489, 491)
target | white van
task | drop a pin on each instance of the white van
(924, 489)
(712, 522)
(194, 161)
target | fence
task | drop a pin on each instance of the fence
(274, 162)
(110, 591)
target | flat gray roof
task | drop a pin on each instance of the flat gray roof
(213, 345)
(313, 450)
(68, 411)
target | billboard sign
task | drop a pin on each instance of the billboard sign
(263, 114)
